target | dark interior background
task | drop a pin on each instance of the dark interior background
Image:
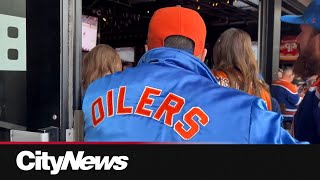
(43, 63)
(127, 20)
(123, 27)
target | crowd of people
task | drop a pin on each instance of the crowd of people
(172, 96)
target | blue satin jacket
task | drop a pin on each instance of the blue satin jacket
(171, 96)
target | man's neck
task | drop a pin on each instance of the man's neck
(285, 79)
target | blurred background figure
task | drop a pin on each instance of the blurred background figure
(311, 80)
(280, 72)
(235, 64)
(100, 61)
(300, 85)
(126, 65)
(287, 95)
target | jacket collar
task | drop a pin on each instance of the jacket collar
(178, 59)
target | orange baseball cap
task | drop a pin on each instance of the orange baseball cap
(177, 21)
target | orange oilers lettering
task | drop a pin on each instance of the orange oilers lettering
(146, 100)
(97, 120)
(187, 128)
(110, 103)
(121, 109)
(170, 109)
(194, 127)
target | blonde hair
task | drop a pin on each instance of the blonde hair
(233, 54)
(100, 61)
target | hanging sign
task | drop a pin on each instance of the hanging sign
(289, 48)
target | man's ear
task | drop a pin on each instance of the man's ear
(146, 48)
(203, 55)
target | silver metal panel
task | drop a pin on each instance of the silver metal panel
(297, 5)
(65, 98)
(7, 125)
(13, 7)
(78, 126)
(262, 37)
(276, 38)
(26, 136)
(77, 41)
(269, 38)
(70, 135)
(52, 131)
(259, 35)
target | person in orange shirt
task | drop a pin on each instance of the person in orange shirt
(235, 64)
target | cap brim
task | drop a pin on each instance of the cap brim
(293, 19)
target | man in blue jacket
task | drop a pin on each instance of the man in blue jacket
(307, 118)
(171, 95)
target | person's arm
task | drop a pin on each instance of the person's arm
(294, 98)
(265, 127)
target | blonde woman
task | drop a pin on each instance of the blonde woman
(235, 64)
(100, 61)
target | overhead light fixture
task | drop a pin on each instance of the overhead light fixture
(98, 12)
(148, 12)
(198, 8)
(104, 19)
(228, 1)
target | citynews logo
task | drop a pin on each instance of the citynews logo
(42, 161)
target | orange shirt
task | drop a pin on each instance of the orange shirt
(224, 81)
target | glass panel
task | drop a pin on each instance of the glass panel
(13, 60)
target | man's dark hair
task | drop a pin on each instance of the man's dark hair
(179, 42)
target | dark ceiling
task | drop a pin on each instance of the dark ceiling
(214, 12)
(119, 16)
(125, 22)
